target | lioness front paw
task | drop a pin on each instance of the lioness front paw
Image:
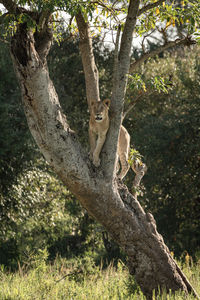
(96, 162)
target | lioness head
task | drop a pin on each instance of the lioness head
(100, 109)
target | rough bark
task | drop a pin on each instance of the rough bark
(122, 64)
(108, 201)
(89, 66)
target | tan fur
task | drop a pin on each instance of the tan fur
(98, 127)
(123, 151)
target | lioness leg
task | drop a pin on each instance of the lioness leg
(123, 151)
(123, 156)
(99, 145)
(92, 139)
(117, 165)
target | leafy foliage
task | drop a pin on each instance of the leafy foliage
(44, 214)
(17, 147)
(163, 18)
(134, 156)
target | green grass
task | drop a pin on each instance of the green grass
(76, 279)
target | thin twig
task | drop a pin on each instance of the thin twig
(149, 6)
(111, 10)
(69, 274)
(132, 104)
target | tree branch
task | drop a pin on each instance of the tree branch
(110, 9)
(15, 10)
(44, 19)
(89, 66)
(132, 104)
(149, 6)
(119, 89)
(187, 41)
(116, 53)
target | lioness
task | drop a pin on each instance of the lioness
(98, 127)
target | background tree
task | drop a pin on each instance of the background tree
(62, 150)
(169, 124)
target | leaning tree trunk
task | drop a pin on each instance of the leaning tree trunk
(107, 200)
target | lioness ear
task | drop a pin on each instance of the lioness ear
(107, 102)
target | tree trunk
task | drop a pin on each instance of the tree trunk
(100, 193)
(110, 203)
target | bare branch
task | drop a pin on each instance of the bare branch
(134, 102)
(149, 6)
(89, 66)
(12, 8)
(132, 105)
(112, 10)
(116, 1)
(187, 41)
(163, 31)
(143, 47)
(44, 18)
(116, 53)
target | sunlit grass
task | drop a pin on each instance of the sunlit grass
(68, 280)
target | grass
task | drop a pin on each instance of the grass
(77, 280)
(53, 284)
